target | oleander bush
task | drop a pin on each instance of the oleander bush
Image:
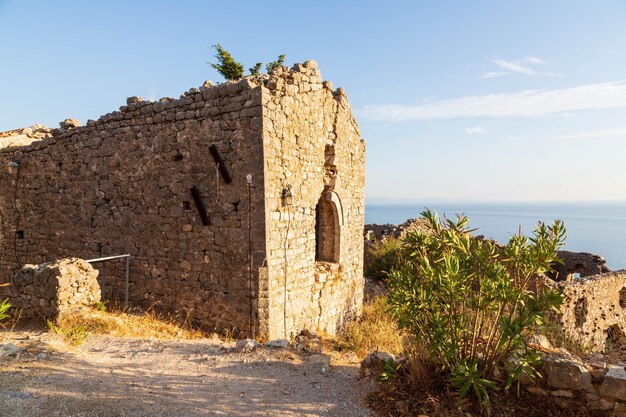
(467, 301)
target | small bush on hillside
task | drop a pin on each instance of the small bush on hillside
(467, 300)
(382, 257)
(233, 70)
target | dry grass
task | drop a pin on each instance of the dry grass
(126, 324)
(554, 332)
(375, 330)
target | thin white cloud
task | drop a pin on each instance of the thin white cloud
(476, 130)
(521, 66)
(533, 60)
(593, 134)
(514, 67)
(526, 103)
(494, 74)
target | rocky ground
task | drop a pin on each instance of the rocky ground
(40, 375)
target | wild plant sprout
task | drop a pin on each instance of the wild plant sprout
(467, 300)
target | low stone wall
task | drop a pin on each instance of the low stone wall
(572, 382)
(46, 290)
(594, 311)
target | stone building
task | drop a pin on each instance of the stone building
(241, 203)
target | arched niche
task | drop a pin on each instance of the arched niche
(328, 222)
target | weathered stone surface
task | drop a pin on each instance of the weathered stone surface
(581, 263)
(539, 341)
(277, 343)
(246, 345)
(122, 185)
(601, 404)
(24, 136)
(9, 349)
(614, 383)
(371, 364)
(594, 310)
(70, 123)
(566, 372)
(49, 289)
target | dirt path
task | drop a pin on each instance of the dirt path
(111, 377)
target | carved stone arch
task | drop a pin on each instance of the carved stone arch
(328, 222)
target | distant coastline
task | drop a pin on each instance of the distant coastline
(596, 227)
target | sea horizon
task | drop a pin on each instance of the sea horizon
(597, 227)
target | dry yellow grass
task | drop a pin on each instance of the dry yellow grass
(375, 330)
(125, 324)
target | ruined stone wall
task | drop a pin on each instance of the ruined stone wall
(313, 151)
(575, 383)
(122, 184)
(49, 289)
(594, 310)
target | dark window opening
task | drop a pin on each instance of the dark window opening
(580, 312)
(178, 157)
(19, 234)
(186, 205)
(615, 338)
(622, 297)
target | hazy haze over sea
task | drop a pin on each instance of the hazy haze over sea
(596, 227)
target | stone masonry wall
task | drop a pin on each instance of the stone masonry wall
(594, 310)
(49, 289)
(122, 184)
(313, 148)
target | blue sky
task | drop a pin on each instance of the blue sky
(481, 100)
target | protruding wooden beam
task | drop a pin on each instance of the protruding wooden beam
(221, 165)
(195, 194)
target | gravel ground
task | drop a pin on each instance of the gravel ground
(108, 376)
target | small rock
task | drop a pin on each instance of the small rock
(597, 375)
(70, 123)
(614, 384)
(278, 343)
(308, 334)
(208, 84)
(601, 404)
(373, 362)
(540, 341)
(41, 356)
(537, 391)
(246, 345)
(9, 349)
(567, 373)
(311, 64)
(133, 100)
(313, 346)
(562, 393)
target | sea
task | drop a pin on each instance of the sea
(594, 227)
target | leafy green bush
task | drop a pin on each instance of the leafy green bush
(468, 301)
(272, 66)
(382, 257)
(4, 308)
